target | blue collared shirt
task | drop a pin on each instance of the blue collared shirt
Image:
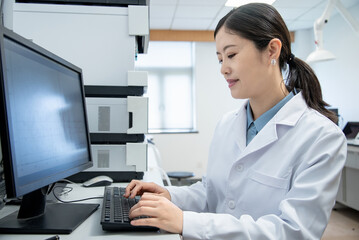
(253, 127)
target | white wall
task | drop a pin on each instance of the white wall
(189, 152)
(339, 80)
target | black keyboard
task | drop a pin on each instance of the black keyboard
(115, 210)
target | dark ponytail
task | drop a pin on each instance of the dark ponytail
(301, 76)
(261, 23)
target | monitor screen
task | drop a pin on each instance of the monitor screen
(45, 118)
(44, 133)
(351, 130)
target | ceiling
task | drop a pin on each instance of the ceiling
(204, 14)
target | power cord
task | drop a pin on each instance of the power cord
(65, 190)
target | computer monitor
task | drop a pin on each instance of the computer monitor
(351, 130)
(44, 134)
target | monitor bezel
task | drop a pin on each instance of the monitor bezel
(8, 168)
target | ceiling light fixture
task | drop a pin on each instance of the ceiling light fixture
(320, 54)
(237, 3)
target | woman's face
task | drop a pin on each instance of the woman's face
(243, 66)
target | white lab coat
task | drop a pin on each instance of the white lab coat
(281, 186)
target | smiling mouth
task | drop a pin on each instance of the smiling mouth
(231, 82)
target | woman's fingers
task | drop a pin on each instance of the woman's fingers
(136, 187)
(130, 187)
(149, 211)
(147, 200)
(162, 213)
(147, 221)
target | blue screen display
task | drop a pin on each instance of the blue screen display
(46, 117)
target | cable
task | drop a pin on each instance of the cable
(69, 189)
(66, 180)
(158, 161)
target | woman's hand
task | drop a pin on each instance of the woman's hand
(136, 187)
(161, 211)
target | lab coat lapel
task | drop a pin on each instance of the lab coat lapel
(288, 115)
(240, 127)
(265, 137)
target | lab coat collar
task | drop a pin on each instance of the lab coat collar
(288, 115)
(291, 112)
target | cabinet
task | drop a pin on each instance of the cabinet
(103, 41)
(348, 193)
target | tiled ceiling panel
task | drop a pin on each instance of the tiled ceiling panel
(204, 14)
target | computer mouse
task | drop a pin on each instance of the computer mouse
(98, 181)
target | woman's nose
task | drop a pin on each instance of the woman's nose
(225, 70)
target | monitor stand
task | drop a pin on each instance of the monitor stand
(58, 218)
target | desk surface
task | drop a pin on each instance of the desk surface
(91, 228)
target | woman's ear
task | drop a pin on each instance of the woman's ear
(274, 48)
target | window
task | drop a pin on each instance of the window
(170, 86)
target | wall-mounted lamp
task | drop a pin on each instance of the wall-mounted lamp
(320, 54)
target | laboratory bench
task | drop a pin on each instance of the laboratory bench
(91, 227)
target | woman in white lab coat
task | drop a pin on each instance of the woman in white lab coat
(275, 163)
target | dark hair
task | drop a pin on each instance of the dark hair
(261, 23)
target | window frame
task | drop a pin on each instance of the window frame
(161, 73)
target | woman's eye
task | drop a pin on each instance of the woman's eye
(220, 61)
(231, 55)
